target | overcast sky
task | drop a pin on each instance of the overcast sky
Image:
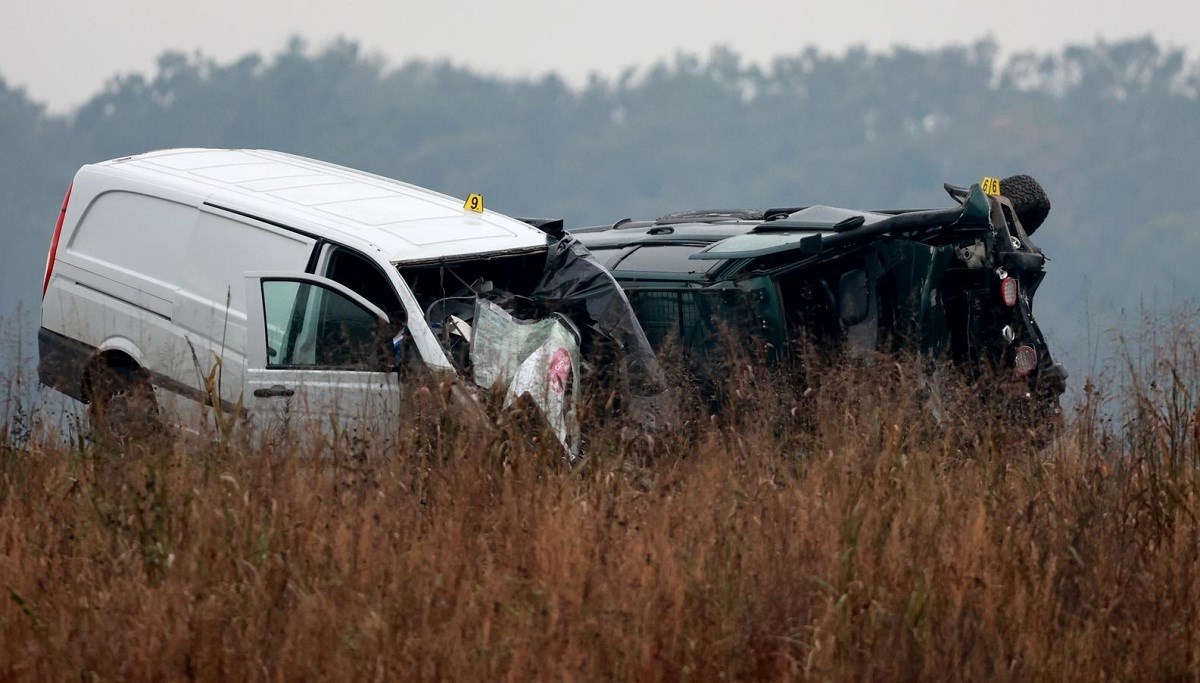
(62, 51)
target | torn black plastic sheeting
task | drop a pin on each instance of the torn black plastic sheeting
(571, 276)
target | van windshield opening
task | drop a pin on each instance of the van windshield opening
(447, 293)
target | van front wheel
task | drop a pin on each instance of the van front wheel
(122, 407)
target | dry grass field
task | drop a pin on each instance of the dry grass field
(842, 534)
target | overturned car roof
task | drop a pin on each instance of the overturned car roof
(695, 243)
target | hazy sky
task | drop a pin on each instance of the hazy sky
(62, 51)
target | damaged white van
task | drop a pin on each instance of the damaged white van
(293, 291)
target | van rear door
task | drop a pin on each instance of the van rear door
(318, 359)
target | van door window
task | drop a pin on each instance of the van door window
(311, 326)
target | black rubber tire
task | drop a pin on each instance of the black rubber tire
(122, 407)
(1028, 199)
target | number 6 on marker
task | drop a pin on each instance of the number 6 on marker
(474, 203)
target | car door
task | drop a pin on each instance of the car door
(319, 360)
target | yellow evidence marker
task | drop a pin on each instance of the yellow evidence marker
(990, 185)
(474, 203)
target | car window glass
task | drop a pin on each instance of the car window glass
(308, 325)
(693, 317)
(279, 298)
(669, 258)
(607, 257)
(759, 244)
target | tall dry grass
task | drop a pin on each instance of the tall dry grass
(839, 533)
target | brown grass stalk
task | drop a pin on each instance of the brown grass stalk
(840, 532)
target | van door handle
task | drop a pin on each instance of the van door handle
(271, 392)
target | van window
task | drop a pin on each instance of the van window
(311, 326)
(362, 277)
(143, 234)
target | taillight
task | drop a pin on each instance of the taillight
(1009, 289)
(1025, 360)
(62, 215)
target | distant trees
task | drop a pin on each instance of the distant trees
(1110, 129)
(33, 168)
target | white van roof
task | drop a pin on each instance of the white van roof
(407, 223)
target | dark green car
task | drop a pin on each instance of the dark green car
(954, 283)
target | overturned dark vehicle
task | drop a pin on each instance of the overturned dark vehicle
(955, 283)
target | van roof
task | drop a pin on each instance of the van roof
(407, 223)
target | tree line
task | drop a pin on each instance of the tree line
(1110, 129)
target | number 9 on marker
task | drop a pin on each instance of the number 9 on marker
(474, 203)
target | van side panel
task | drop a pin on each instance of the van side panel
(113, 273)
(140, 267)
(100, 321)
(223, 249)
(219, 254)
(133, 245)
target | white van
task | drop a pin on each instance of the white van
(286, 289)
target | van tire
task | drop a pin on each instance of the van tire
(1029, 200)
(122, 407)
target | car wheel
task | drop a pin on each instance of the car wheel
(122, 406)
(1029, 200)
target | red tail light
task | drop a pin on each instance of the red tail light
(1009, 289)
(62, 215)
(1025, 360)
